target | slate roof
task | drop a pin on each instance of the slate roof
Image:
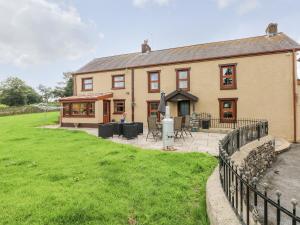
(214, 50)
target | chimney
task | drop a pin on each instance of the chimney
(145, 47)
(272, 29)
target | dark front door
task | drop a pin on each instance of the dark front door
(183, 108)
(106, 111)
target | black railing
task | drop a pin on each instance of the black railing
(241, 192)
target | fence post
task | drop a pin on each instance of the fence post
(247, 198)
(258, 131)
(266, 205)
(238, 139)
(294, 203)
(278, 193)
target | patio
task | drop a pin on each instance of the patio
(200, 142)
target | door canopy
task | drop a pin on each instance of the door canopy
(180, 95)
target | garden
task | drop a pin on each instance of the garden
(69, 177)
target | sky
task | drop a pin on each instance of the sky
(42, 39)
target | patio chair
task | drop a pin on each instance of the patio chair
(187, 126)
(178, 131)
(153, 128)
(130, 130)
(105, 130)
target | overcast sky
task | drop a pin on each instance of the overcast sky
(41, 39)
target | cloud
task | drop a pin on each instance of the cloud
(248, 6)
(38, 31)
(142, 3)
(224, 3)
(240, 6)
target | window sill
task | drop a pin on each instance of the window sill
(78, 116)
(153, 91)
(228, 88)
(118, 88)
(118, 113)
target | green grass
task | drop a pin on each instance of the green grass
(69, 177)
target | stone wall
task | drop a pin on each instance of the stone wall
(259, 159)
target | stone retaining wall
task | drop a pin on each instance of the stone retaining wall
(254, 157)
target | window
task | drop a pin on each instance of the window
(228, 77)
(228, 109)
(86, 109)
(118, 82)
(66, 109)
(87, 84)
(153, 109)
(154, 81)
(183, 79)
(119, 106)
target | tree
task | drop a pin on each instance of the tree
(15, 92)
(46, 92)
(64, 88)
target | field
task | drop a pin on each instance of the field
(68, 177)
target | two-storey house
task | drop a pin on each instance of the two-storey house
(246, 78)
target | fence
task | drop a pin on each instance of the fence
(221, 123)
(242, 193)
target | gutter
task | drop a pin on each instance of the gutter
(294, 76)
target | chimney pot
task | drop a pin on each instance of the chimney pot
(272, 29)
(145, 47)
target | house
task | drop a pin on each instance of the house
(245, 78)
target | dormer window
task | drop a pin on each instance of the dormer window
(87, 84)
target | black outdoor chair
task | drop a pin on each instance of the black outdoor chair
(130, 130)
(105, 130)
(117, 128)
(140, 126)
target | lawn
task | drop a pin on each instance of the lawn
(69, 177)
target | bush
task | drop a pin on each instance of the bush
(2, 106)
(15, 110)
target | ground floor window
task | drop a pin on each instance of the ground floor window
(228, 109)
(82, 109)
(119, 106)
(153, 109)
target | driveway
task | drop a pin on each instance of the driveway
(284, 176)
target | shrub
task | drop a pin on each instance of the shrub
(2, 106)
(14, 110)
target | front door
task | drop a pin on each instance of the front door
(183, 108)
(106, 111)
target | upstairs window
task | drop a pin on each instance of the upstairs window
(228, 77)
(119, 106)
(183, 79)
(228, 109)
(87, 84)
(118, 82)
(154, 81)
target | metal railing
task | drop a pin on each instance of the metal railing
(242, 193)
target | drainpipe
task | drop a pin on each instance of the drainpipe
(294, 95)
(132, 95)
(74, 85)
